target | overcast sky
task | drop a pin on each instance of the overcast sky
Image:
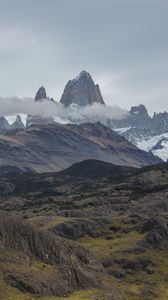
(122, 43)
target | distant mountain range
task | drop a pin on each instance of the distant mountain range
(147, 133)
(137, 126)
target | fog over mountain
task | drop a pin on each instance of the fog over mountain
(81, 102)
(10, 106)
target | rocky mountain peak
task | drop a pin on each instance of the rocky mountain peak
(18, 124)
(82, 91)
(140, 117)
(41, 94)
(139, 110)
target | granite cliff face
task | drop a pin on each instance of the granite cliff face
(82, 91)
(41, 94)
(160, 122)
(139, 115)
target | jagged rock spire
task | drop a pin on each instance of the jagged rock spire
(41, 94)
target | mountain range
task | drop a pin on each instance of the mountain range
(147, 133)
(83, 210)
(136, 125)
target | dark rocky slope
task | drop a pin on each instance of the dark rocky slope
(67, 266)
(54, 147)
(96, 169)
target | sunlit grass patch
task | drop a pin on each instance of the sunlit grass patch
(104, 248)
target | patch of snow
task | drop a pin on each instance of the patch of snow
(74, 105)
(10, 119)
(122, 130)
(162, 153)
(148, 145)
(77, 77)
(23, 118)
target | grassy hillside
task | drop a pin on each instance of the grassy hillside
(110, 228)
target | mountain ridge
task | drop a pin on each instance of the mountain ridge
(54, 147)
(136, 125)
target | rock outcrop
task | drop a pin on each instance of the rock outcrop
(157, 229)
(82, 91)
(67, 266)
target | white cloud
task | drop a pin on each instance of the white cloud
(13, 106)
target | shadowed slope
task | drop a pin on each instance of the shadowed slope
(53, 147)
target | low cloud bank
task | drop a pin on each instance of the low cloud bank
(13, 106)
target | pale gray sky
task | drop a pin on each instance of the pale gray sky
(122, 43)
